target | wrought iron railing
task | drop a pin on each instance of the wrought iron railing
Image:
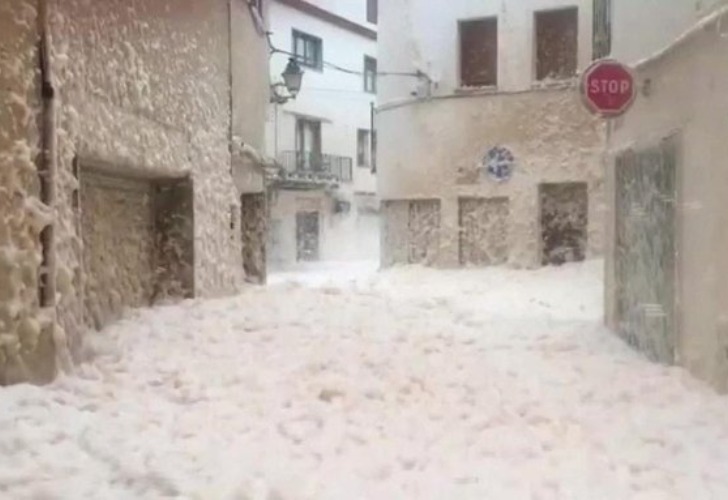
(317, 166)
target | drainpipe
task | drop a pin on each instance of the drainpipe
(372, 137)
(48, 166)
(275, 134)
(231, 134)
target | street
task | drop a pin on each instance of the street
(337, 382)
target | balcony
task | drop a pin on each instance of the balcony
(305, 170)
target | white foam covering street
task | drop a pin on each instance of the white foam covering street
(336, 382)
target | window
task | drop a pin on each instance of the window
(602, 42)
(308, 50)
(370, 74)
(373, 11)
(556, 43)
(363, 148)
(479, 52)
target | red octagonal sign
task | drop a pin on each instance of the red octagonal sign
(608, 88)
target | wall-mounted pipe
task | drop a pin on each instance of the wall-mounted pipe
(47, 165)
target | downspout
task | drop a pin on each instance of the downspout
(230, 84)
(373, 137)
(48, 166)
(275, 132)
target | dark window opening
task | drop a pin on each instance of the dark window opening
(373, 11)
(556, 43)
(308, 50)
(370, 75)
(602, 42)
(479, 52)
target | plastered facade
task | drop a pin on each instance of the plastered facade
(552, 138)
(432, 145)
(142, 90)
(421, 35)
(686, 100)
(337, 100)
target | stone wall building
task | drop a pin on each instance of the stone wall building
(121, 126)
(666, 184)
(489, 157)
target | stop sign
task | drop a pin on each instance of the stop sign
(608, 88)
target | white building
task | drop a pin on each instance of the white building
(666, 183)
(502, 93)
(323, 206)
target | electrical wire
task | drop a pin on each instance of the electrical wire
(417, 74)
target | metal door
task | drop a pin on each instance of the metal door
(307, 236)
(117, 228)
(645, 276)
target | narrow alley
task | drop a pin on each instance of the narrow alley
(339, 382)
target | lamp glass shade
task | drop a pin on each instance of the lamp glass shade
(293, 77)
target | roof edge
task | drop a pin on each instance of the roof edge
(703, 24)
(330, 17)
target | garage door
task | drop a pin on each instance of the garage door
(117, 227)
(645, 273)
(424, 231)
(483, 231)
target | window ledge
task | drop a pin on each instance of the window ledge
(555, 84)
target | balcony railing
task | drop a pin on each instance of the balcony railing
(316, 166)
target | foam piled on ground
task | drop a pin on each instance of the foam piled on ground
(338, 383)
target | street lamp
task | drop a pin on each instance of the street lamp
(292, 80)
(293, 77)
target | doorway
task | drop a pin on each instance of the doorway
(307, 236)
(645, 253)
(483, 231)
(564, 222)
(424, 231)
(138, 241)
(308, 144)
(253, 227)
